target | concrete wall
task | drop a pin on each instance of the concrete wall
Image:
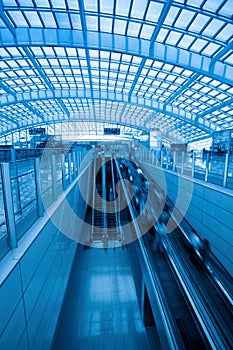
(210, 211)
(32, 293)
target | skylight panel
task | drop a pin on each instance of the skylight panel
(215, 83)
(226, 10)
(12, 63)
(198, 23)
(23, 63)
(62, 20)
(71, 52)
(90, 5)
(213, 27)
(206, 80)
(60, 51)
(48, 19)
(122, 7)
(229, 59)
(154, 12)
(225, 33)
(170, 78)
(14, 51)
(104, 55)
(162, 35)
(36, 51)
(115, 56)
(171, 16)
(213, 93)
(105, 24)
(222, 96)
(53, 62)
(63, 62)
(48, 51)
(210, 49)
(18, 18)
(180, 81)
(33, 18)
(9, 3)
(27, 3)
(138, 8)
(136, 60)
(42, 3)
(106, 6)
(184, 19)
(198, 45)
(212, 5)
(133, 29)
(73, 4)
(186, 41)
(58, 4)
(196, 86)
(173, 38)
(119, 26)
(76, 21)
(126, 58)
(123, 68)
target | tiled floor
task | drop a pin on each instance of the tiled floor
(101, 309)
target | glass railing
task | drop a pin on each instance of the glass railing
(26, 186)
(213, 168)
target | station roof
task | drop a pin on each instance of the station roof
(161, 64)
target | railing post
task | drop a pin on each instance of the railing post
(226, 169)
(54, 176)
(207, 166)
(69, 168)
(40, 206)
(174, 161)
(75, 170)
(161, 158)
(8, 204)
(167, 159)
(193, 164)
(182, 163)
(63, 170)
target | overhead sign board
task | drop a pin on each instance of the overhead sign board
(111, 131)
(36, 131)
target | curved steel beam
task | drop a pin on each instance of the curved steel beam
(153, 107)
(112, 42)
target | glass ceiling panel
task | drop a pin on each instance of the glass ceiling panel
(200, 27)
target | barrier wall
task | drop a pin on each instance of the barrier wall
(31, 295)
(210, 211)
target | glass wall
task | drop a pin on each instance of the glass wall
(26, 186)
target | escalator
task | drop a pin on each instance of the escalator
(189, 311)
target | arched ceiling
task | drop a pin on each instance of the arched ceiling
(145, 63)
